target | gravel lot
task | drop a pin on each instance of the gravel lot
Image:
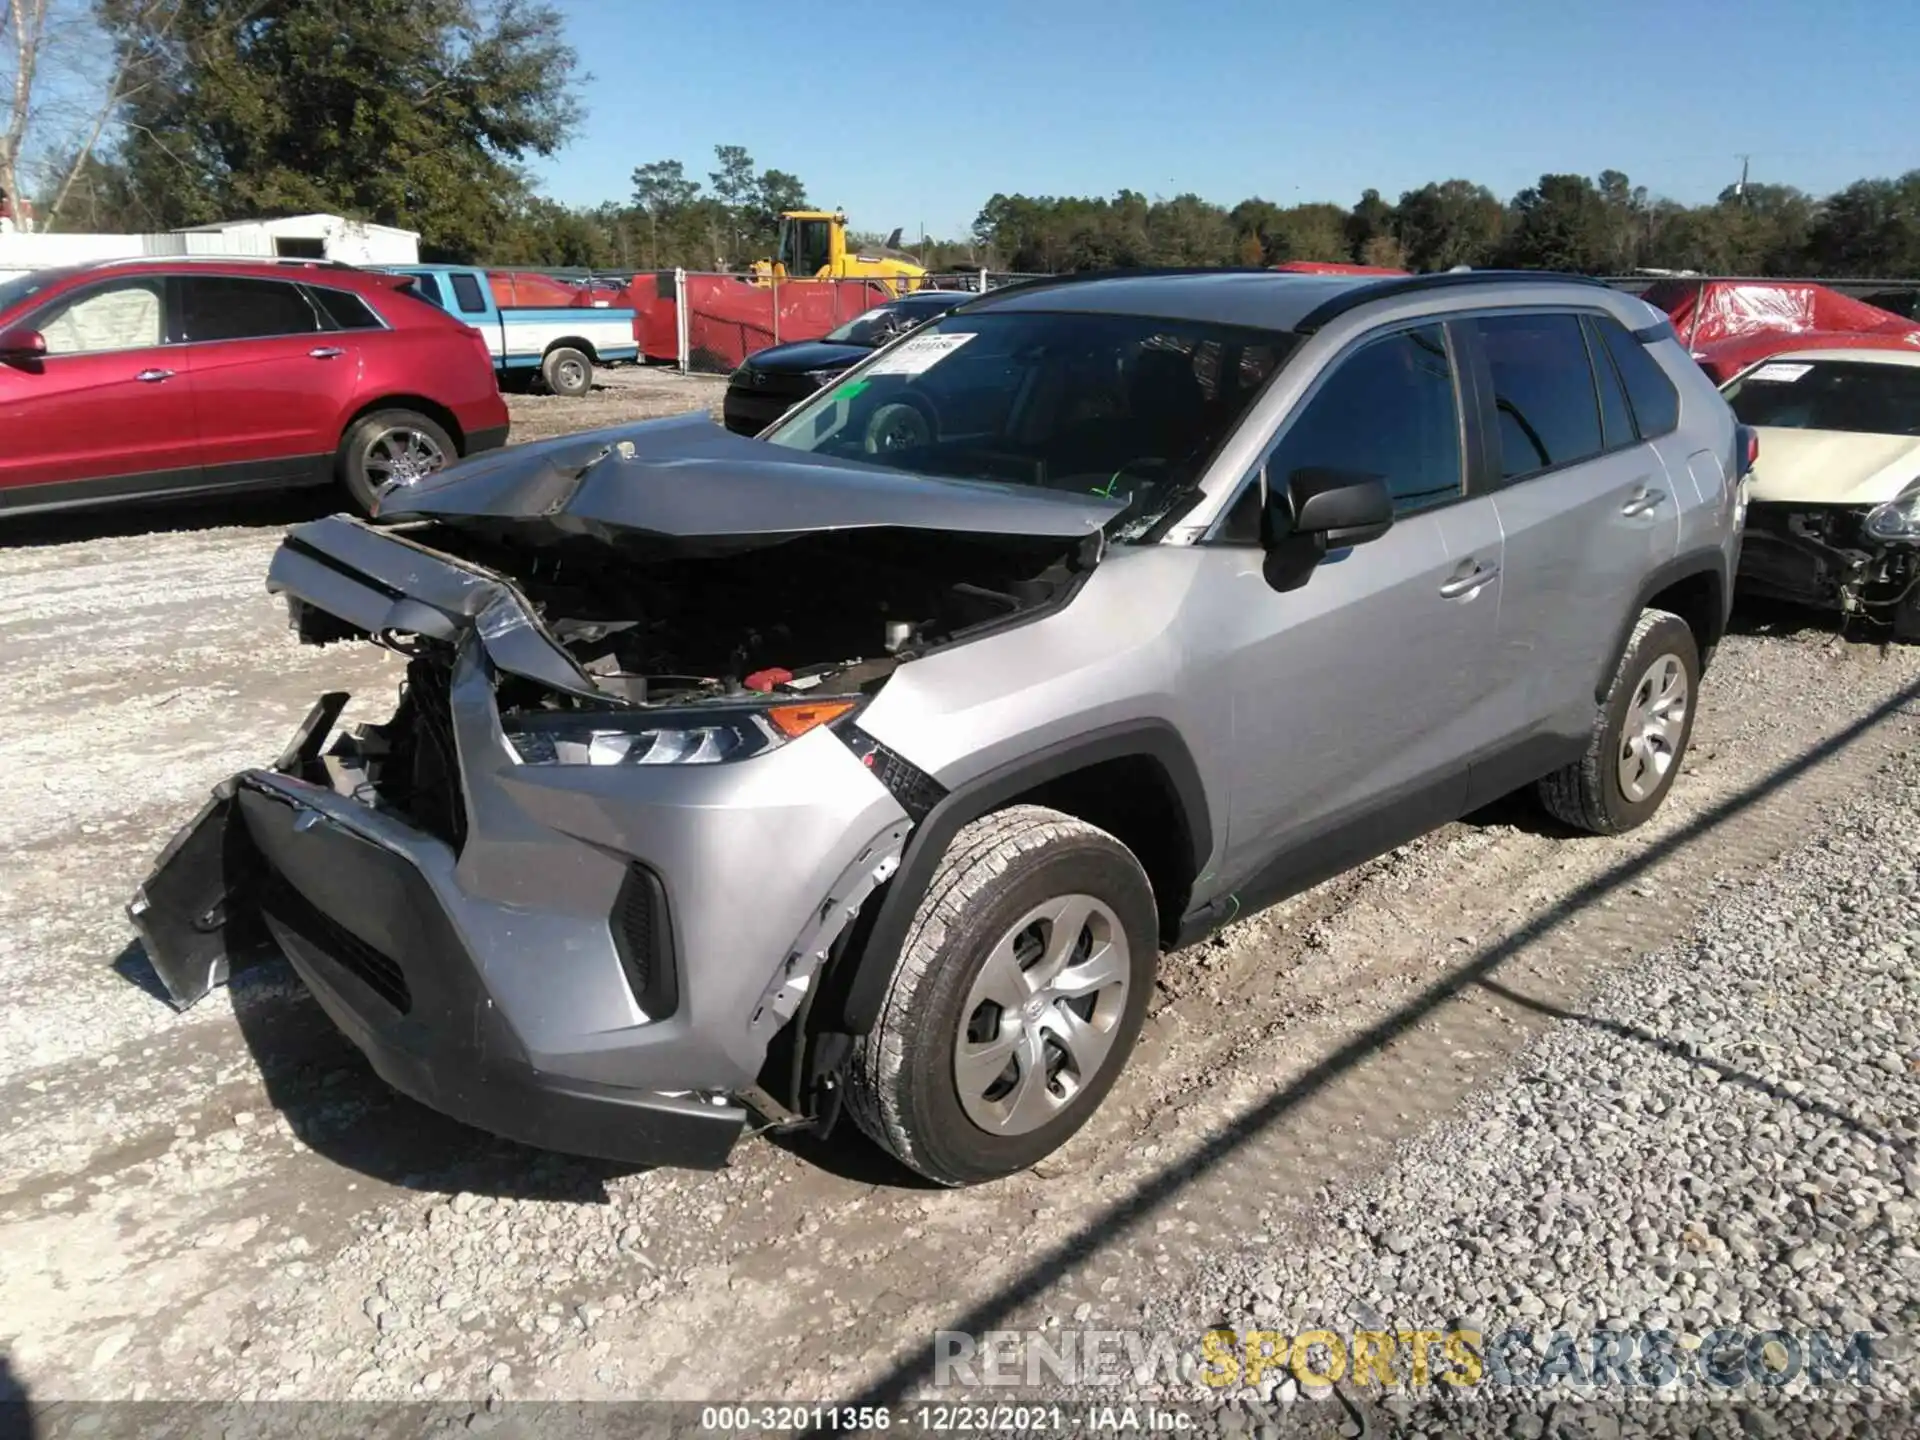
(1368, 1092)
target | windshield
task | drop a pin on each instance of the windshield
(1851, 395)
(880, 324)
(1125, 406)
(13, 291)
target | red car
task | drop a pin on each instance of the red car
(177, 376)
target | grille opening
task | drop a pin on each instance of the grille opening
(379, 972)
(643, 938)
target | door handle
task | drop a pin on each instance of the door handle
(1468, 583)
(325, 352)
(1644, 499)
(154, 377)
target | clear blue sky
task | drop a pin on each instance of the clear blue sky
(911, 114)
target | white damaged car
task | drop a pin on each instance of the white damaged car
(1833, 517)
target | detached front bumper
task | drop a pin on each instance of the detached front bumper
(269, 861)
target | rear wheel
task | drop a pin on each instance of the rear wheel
(1016, 1000)
(567, 371)
(1640, 734)
(401, 447)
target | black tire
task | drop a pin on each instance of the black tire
(1591, 794)
(567, 371)
(902, 1088)
(361, 465)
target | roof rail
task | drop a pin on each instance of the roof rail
(310, 262)
(1077, 277)
(1368, 291)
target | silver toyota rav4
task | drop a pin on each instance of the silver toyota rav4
(874, 761)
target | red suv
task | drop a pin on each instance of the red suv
(179, 376)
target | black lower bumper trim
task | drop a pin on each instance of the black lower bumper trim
(492, 438)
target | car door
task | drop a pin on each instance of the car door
(1588, 512)
(108, 408)
(271, 387)
(1358, 698)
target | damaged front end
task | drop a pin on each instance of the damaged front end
(1858, 560)
(590, 868)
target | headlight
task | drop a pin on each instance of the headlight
(696, 735)
(1898, 519)
(825, 377)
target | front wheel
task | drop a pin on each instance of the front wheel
(401, 447)
(1640, 733)
(567, 372)
(1017, 997)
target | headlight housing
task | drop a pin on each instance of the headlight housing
(1898, 519)
(691, 735)
(826, 377)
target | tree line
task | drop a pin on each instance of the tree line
(426, 114)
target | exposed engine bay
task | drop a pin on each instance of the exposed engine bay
(831, 613)
(1821, 555)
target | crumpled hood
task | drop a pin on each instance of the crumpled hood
(1832, 467)
(686, 486)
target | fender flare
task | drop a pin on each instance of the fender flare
(574, 342)
(1686, 567)
(854, 992)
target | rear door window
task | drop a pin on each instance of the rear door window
(1656, 404)
(234, 307)
(466, 294)
(1546, 412)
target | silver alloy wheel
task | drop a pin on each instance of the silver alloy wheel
(1655, 721)
(1041, 1017)
(402, 456)
(570, 374)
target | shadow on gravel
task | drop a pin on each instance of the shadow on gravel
(1680, 1051)
(1117, 1223)
(16, 1420)
(143, 517)
(340, 1109)
(1783, 618)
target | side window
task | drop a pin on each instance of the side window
(1542, 390)
(466, 294)
(1616, 420)
(111, 317)
(231, 307)
(1389, 409)
(428, 289)
(344, 310)
(1656, 404)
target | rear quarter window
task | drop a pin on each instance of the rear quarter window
(1656, 404)
(345, 310)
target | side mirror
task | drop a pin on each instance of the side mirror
(22, 345)
(1319, 510)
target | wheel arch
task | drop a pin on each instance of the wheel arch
(1694, 588)
(571, 342)
(432, 409)
(1137, 781)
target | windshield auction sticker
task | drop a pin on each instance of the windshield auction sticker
(1780, 374)
(918, 355)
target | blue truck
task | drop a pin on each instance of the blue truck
(558, 345)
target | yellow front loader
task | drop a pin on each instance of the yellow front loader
(813, 246)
